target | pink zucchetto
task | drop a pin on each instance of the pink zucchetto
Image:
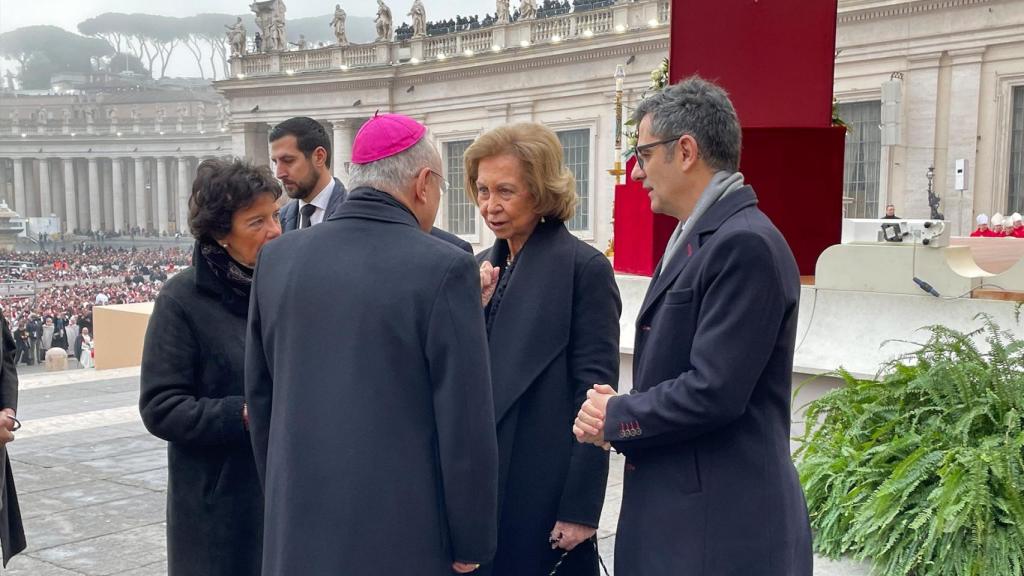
(385, 135)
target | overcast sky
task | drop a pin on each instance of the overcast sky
(68, 13)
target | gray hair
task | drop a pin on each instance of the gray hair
(702, 110)
(392, 174)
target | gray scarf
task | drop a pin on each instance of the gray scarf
(722, 183)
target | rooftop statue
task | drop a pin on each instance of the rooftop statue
(339, 26)
(383, 22)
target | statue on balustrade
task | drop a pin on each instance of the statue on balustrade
(383, 22)
(10, 81)
(236, 38)
(419, 19)
(278, 36)
(528, 10)
(503, 12)
(270, 18)
(339, 25)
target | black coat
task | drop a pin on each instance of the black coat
(554, 335)
(192, 396)
(290, 217)
(710, 488)
(369, 396)
(12, 533)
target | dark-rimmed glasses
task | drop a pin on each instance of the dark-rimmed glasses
(639, 150)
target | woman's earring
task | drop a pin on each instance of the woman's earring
(542, 220)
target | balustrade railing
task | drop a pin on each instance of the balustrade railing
(596, 19)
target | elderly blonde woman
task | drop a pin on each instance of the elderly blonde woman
(552, 310)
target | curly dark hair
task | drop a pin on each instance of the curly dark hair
(221, 188)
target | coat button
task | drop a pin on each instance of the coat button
(645, 328)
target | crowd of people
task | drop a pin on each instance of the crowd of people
(56, 310)
(999, 226)
(547, 9)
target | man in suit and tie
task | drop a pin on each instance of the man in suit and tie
(300, 151)
(709, 485)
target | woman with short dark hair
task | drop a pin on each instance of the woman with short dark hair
(193, 371)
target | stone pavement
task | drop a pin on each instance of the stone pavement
(92, 482)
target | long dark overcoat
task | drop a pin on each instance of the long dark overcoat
(709, 487)
(12, 532)
(555, 334)
(193, 366)
(370, 400)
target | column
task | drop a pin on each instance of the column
(45, 206)
(3, 180)
(94, 195)
(921, 110)
(70, 207)
(964, 104)
(140, 193)
(161, 194)
(118, 186)
(20, 200)
(342, 149)
(184, 188)
(108, 196)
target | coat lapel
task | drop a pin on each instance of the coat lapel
(533, 321)
(712, 220)
(288, 214)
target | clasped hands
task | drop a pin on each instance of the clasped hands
(589, 425)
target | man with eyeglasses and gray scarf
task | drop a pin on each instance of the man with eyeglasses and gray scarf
(709, 484)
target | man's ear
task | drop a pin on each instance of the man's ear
(420, 187)
(688, 149)
(320, 156)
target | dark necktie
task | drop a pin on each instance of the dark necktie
(307, 213)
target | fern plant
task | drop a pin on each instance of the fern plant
(921, 471)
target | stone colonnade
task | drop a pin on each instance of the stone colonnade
(114, 194)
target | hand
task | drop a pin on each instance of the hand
(488, 282)
(589, 425)
(464, 568)
(566, 535)
(7, 426)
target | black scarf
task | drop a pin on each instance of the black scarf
(236, 277)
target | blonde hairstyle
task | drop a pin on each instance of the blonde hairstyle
(548, 180)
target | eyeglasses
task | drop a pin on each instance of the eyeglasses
(444, 182)
(639, 150)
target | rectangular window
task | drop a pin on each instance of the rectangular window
(459, 212)
(576, 149)
(1016, 200)
(863, 158)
